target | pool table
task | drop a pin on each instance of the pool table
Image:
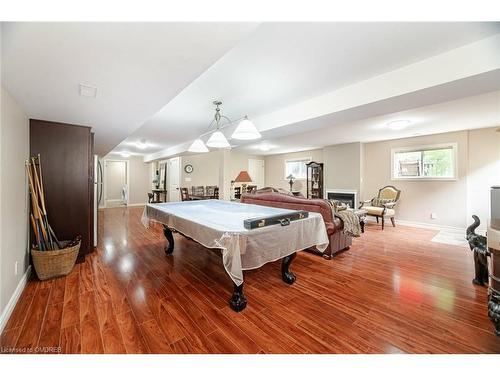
(218, 224)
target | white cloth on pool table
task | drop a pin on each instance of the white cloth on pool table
(219, 224)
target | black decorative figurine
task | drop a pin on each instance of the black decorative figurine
(477, 244)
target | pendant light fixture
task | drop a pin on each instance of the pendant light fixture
(245, 130)
(198, 146)
(218, 140)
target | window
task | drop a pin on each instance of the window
(426, 162)
(297, 168)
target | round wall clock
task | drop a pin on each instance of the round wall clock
(188, 168)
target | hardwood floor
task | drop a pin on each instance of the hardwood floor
(394, 291)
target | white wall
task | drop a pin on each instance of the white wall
(205, 169)
(454, 202)
(116, 177)
(14, 151)
(239, 162)
(208, 168)
(224, 174)
(275, 169)
(367, 168)
(343, 166)
(139, 179)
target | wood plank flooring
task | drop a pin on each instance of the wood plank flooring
(394, 291)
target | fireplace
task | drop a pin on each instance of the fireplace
(349, 197)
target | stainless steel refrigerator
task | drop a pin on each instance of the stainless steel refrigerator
(97, 193)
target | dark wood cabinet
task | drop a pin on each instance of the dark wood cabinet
(67, 163)
(314, 180)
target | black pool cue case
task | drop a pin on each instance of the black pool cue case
(283, 219)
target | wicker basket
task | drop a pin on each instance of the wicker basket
(53, 263)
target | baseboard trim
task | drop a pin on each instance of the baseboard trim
(124, 206)
(417, 224)
(13, 300)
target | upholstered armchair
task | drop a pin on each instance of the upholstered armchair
(383, 205)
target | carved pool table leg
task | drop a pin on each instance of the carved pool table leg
(238, 300)
(170, 238)
(287, 275)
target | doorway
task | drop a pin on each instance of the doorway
(174, 177)
(116, 183)
(163, 165)
(256, 172)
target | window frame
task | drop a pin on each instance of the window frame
(305, 159)
(452, 145)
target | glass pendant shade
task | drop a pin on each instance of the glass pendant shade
(218, 140)
(198, 146)
(246, 130)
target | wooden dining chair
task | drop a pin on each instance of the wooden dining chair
(198, 190)
(151, 198)
(210, 191)
(185, 194)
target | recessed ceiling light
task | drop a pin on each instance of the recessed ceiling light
(398, 124)
(125, 154)
(265, 147)
(88, 91)
(141, 144)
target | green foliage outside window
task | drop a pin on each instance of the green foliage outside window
(438, 163)
(430, 163)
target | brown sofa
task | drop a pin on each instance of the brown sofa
(338, 240)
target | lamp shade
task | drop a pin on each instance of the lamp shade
(218, 140)
(198, 146)
(243, 176)
(246, 130)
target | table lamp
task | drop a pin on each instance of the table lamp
(243, 177)
(291, 179)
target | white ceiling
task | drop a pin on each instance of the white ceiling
(473, 112)
(283, 63)
(137, 68)
(157, 81)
